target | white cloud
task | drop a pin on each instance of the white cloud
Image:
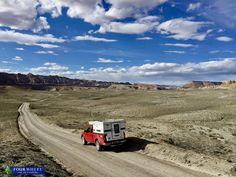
(183, 29)
(140, 26)
(123, 8)
(5, 70)
(50, 68)
(179, 45)
(28, 39)
(22, 15)
(46, 52)
(47, 46)
(105, 60)
(175, 51)
(90, 10)
(224, 39)
(28, 14)
(194, 6)
(7, 62)
(214, 51)
(160, 73)
(144, 38)
(20, 49)
(223, 51)
(41, 24)
(165, 73)
(137, 27)
(17, 58)
(92, 38)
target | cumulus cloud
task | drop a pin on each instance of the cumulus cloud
(50, 68)
(123, 8)
(161, 73)
(28, 15)
(179, 45)
(194, 6)
(224, 39)
(41, 24)
(165, 73)
(139, 26)
(105, 60)
(28, 39)
(144, 38)
(92, 38)
(22, 15)
(183, 29)
(94, 12)
(90, 11)
(125, 28)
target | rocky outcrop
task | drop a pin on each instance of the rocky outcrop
(38, 81)
(58, 83)
(201, 84)
(229, 82)
(136, 87)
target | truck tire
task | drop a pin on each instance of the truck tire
(98, 146)
(83, 141)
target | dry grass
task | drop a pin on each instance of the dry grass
(15, 150)
(200, 120)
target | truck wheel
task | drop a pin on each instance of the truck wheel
(98, 146)
(84, 142)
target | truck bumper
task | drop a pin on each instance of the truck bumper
(114, 143)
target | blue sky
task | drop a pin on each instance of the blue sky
(155, 41)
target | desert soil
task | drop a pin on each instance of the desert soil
(14, 149)
(195, 129)
(66, 147)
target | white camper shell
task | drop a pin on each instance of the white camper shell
(113, 128)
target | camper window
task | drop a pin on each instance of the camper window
(117, 128)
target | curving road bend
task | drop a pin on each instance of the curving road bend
(66, 148)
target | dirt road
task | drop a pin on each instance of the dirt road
(65, 147)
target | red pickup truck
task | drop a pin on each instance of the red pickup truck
(104, 133)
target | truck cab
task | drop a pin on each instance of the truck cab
(104, 133)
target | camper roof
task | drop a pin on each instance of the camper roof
(107, 121)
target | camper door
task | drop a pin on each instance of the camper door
(116, 133)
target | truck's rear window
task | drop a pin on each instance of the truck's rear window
(117, 128)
